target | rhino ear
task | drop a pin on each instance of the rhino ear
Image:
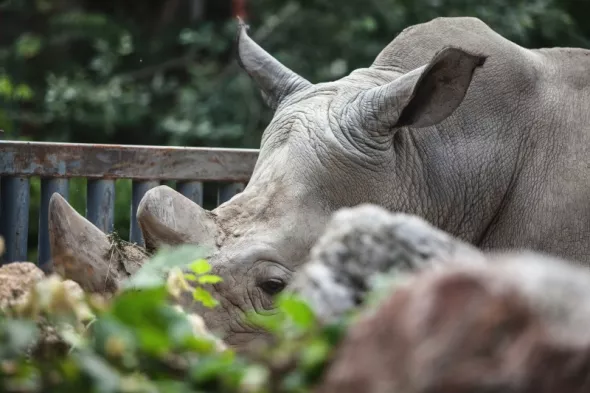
(424, 96)
(273, 79)
(166, 217)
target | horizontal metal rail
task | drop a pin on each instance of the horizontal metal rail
(92, 161)
(146, 166)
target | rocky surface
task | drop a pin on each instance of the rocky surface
(519, 324)
(362, 242)
(15, 281)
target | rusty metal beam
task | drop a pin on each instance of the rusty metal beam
(14, 217)
(227, 191)
(48, 187)
(193, 190)
(138, 190)
(95, 161)
(100, 204)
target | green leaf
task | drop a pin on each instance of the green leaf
(106, 379)
(23, 92)
(210, 367)
(153, 272)
(297, 310)
(272, 323)
(190, 277)
(201, 345)
(200, 266)
(18, 335)
(134, 308)
(315, 353)
(209, 279)
(334, 332)
(180, 329)
(6, 87)
(188, 36)
(105, 329)
(153, 340)
(201, 295)
(149, 316)
(125, 44)
(28, 45)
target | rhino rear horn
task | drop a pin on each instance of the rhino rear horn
(79, 250)
(166, 217)
(274, 79)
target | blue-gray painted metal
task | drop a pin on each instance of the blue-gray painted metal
(48, 188)
(139, 189)
(100, 204)
(14, 217)
(193, 190)
(227, 191)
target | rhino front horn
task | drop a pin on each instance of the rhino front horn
(79, 250)
(167, 217)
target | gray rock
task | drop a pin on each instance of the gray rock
(362, 243)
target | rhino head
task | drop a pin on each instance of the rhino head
(83, 253)
(328, 146)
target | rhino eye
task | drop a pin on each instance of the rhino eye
(272, 286)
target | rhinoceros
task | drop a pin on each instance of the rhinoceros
(482, 138)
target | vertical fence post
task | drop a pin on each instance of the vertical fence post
(100, 204)
(48, 188)
(139, 188)
(14, 226)
(227, 191)
(193, 190)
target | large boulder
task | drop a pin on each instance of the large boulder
(15, 281)
(519, 324)
(366, 242)
(25, 291)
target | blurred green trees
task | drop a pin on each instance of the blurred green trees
(163, 72)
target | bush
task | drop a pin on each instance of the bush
(138, 341)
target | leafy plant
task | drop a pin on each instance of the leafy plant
(64, 340)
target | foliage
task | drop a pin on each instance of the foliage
(101, 74)
(138, 341)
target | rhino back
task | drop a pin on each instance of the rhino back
(535, 103)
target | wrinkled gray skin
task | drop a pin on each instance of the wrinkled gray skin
(497, 154)
(482, 138)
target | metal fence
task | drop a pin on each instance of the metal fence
(101, 165)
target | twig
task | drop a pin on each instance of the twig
(112, 249)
